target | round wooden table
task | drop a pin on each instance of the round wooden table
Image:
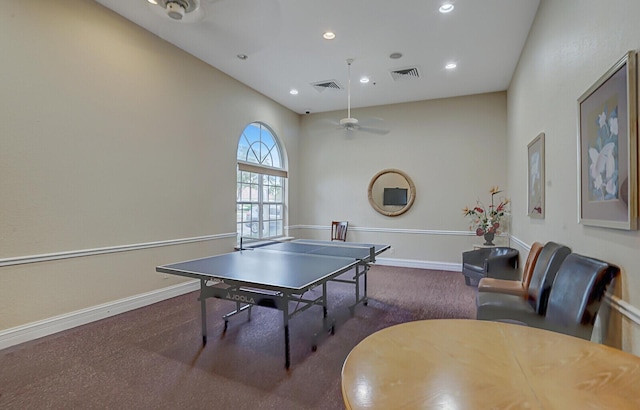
(470, 364)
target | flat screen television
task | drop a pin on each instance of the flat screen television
(395, 196)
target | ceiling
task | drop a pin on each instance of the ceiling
(283, 42)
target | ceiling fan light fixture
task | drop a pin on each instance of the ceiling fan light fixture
(349, 122)
(446, 8)
(328, 35)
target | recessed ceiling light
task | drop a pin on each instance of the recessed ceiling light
(364, 80)
(446, 8)
(395, 56)
(152, 1)
(293, 91)
(329, 35)
(243, 56)
(450, 66)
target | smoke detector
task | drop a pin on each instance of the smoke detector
(177, 9)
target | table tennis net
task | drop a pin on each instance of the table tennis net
(355, 251)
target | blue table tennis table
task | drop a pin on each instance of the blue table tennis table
(277, 274)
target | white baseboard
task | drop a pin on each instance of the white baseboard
(412, 263)
(46, 327)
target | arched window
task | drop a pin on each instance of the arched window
(260, 184)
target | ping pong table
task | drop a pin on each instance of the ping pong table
(277, 274)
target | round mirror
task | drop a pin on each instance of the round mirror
(391, 192)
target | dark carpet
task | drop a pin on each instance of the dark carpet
(153, 358)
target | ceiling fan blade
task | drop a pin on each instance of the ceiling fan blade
(371, 130)
(323, 127)
(373, 121)
(373, 125)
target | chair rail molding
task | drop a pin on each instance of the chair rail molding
(625, 308)
(21, 260)
(389, 230)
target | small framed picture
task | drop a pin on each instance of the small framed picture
(535, 192)
(607, 149)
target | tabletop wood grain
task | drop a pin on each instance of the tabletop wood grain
(469, 364)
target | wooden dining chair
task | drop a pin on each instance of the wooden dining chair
(339, 230)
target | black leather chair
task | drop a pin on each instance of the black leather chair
(492, 306)
(574, 300)
(498, 262)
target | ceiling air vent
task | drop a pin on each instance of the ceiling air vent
(326, 85)
(410, 73)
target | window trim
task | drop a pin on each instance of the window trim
(262, 169)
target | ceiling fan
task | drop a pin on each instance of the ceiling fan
(352, 124)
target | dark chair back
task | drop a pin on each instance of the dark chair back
(575, 298)
(544, 273)
(339, 230)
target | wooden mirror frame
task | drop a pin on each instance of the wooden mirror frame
(412, 192)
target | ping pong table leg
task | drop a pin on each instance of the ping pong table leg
(324, 299)
(357, 285)
(287, 360)
(285, 316)
(327, 326)
(203, 312)
(365, 274)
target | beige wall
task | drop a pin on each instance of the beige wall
(453, 149)
(111, 137)
(571, 44)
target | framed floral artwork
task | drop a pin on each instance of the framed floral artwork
(535, 192)
(607, 149)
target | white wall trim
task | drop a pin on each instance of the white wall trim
(520, 243)
(626, 309)
(412, 263)
(46, 327)
(390, 230)
(20, 260)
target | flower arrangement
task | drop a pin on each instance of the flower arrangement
(487, 220)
